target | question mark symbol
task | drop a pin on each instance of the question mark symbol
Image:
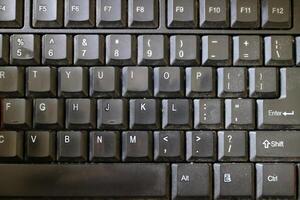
(229, 138)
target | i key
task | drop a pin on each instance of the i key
(11, 13)
(79, 13)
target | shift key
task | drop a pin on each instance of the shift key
(277, 146)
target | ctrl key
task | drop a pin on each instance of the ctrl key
(11, 146)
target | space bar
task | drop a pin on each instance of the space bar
(119, 180)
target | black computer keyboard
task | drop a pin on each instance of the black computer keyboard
(150, 99)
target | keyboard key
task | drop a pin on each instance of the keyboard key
(200, 146)
(200, 82)
(137, 146)
(137, 81)
(47, 14)
(72, 81)
(11, 13)
(298, 50)
(263, 82)
(214, 13)
(125, 180)
(247, 51)
(239, 114)
(216, 50)
(48, 114)
(11, 146)
(232, 146)
(104, 146)
(111, 13)
(276, 14)
(191, 181)
(71, 146)
(88, 50)
(168, 82)
(208, 114)
(120, 50)
(40, 146)
(143, 13)
(153, 50)
(184, 50)
(245, 14)
(79, 13)
(168, 146)
(4, 46)
(229, 177)
(279, 51)
(16, 113)
(232, 82)
(80, 114)
(24, 49)
(182, 14)
(270, 179)
(176, 114)
(144, 114)
(112, 114)
(56, 49)
(274, 146)
(11, 81)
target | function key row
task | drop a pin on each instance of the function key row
(149, 50)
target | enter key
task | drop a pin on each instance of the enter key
(282, 113)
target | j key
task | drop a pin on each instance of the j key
(216, 50)
(47, 13)
(11, 146)
(120, 50)
(72, 81)
(143, 13)
(184, 50)
(112, 114)
(153, 50)
(214, 13)
(200, 82)
(239, 114)
(137, 146)
(232, 146)
(88, 50)
(40, 146)
(104, 81)
(228, 179)
(48, 113)
(71, 146)
(4, 46)
(298, 50)
(111, 13)
(232, 82)
(56, 49)
(144, 114)
(274, 146)
(247, 50)
(182, 14)
(208, 114)
(200, 146)
(104, 146)
(245, 14)
(276, 181)
(263, 82)
(279, 51)
(11, 81)
(24, 49)
(79, 13)
(191, 181)
(16, 113)
(176, 114)
(276, 14)
(168, 81)
(11, 13)
(168, 146)
(80, 114)
(41, 81)
(137, 81)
